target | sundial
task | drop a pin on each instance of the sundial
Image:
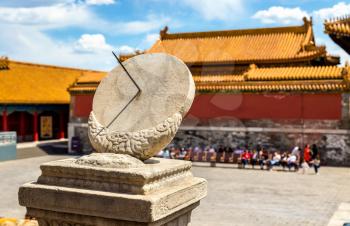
(139, 105)
(137, 109)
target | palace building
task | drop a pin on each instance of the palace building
(34, 100)
(339, 31)
(273, 87)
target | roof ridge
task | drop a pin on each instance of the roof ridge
(235, 32)
(298, 66)
(53, 66)
(334, 20)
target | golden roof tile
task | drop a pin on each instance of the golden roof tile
(338, 26)
(27, 83)
(277, 87)
(218, 78)
(294, 73)
(242, 46)
(275, 79)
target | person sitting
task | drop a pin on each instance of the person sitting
(245, 157)
(292, 162)
(182, 154)
(304, 166)
(284, 161)
(254, 158)
(166, 154)
(262, 158)
(275, 160)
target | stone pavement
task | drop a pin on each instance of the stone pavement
(13, 174)
(341, 216)
(42, 148)
(235, 196)
(253, 197)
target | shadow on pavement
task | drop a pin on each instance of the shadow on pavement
(54, 148)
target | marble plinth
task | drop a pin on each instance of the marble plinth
(85, 192)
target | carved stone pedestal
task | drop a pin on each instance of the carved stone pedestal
(107, 189)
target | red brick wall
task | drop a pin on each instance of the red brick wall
(250, 106)
(82, 105)
(267, 106)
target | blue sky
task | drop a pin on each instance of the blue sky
(82, 33)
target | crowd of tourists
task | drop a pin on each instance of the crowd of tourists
(296, 159)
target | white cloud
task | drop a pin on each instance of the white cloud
(26, 38)
(32, 3)
(126, 50)
(92, 43)
(152, 22)
(278, 14)
(54, 16)
(31, 45)
(338, 10)
(151, 38)
(217, 9)
(148, 41)
(76, 15)
(100, 2)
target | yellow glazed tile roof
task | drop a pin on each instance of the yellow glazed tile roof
(242, 46)
(275, 79)
(294, 73)
(217, 78)
(338, 26)
(278, 79)
(275, 87)
(27, 83)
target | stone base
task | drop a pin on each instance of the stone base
(48, 218)
(70, 192)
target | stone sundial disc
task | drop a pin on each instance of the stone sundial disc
(126, 121)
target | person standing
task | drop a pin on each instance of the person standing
(314, 151)
(296, 152)
(307, 153)
(316, 163)
(263, 157)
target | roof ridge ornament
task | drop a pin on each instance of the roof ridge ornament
(307, 22)
(253, 66)
(163, 32)
(309, 38)
(4, 62)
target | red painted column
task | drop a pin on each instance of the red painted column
(61, 135)
(22, 125)
(4, 120)
(35, 126)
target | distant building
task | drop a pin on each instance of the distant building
(34, 100)
(339, 31)
(272, 87)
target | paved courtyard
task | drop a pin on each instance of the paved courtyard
(235, 196)
(253, 197)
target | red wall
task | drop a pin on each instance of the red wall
(267, 106)
(250, 106)
(82, 105)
